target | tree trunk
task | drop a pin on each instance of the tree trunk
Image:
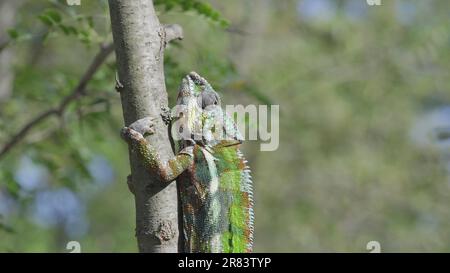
(139, 40)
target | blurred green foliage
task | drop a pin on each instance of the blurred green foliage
(351, 83)
(199, 7)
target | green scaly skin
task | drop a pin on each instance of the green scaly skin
(214, 181)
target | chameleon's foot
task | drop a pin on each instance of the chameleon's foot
(166, 115)
(144, 126)
(138, 129)
(130, 135)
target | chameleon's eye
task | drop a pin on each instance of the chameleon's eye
(208, 99)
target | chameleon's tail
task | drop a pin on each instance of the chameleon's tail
(247, 193)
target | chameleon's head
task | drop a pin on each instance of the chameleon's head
(200, 110)
(194, 87)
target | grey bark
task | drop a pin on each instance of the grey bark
(139, 40)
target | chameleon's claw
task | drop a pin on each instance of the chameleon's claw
(129, 134)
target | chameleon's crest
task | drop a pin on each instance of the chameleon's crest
(188, 112)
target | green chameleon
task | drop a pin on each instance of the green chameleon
(214, 181)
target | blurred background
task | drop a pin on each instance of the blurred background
(364, 97)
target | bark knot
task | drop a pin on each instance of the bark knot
(165, 231)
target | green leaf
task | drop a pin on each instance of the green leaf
(53, 15)
(200, 7)
(84, 36)
(12, 187)
(64, 29)
(224, 23)
(13, 34)
(90, 21)
(169, 6)
(68, 30)
(46, 20)
(50, 17)
(186, 5)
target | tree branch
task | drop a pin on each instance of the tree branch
(77, 92)
(173, 32)
(140, 40)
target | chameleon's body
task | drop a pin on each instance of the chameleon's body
(214, 180)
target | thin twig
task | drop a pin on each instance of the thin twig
(77, 92)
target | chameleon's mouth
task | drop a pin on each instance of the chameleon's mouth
(195, 78)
